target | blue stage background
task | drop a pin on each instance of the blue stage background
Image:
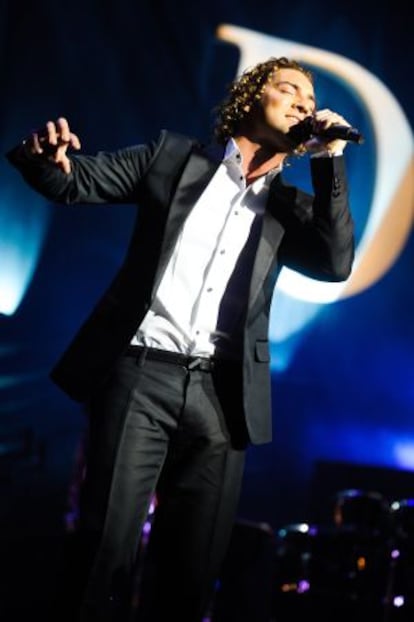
(121, 71)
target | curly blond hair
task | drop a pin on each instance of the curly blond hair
(247, 90)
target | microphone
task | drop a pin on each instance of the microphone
(342, 132)
(303, 131)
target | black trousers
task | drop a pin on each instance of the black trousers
(158, 428)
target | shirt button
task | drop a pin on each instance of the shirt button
(209, 289)
(222, 251)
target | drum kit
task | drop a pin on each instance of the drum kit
(357, 567)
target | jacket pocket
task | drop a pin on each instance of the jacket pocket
(262, 351)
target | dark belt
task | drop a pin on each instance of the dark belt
(142, 353)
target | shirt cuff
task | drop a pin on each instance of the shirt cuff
(327, 154)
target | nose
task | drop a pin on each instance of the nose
(303, 108)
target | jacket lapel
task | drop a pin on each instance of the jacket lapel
(272, 232)
(198, 172)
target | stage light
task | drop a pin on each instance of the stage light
(24, 223)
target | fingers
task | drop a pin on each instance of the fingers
(64, 135)
(53, 138)
(320, 142)
(34, 143)
(52, 143)
(325, 118)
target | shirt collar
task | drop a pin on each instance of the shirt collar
(232, 151)
(232, 154)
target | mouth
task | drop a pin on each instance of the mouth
(292, 120)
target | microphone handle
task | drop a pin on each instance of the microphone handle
(303, 131)
(341, 132)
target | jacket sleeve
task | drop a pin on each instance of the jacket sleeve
(107, 177)
(319, 230)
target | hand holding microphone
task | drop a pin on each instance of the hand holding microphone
(325, 131)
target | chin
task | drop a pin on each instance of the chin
(286, 141)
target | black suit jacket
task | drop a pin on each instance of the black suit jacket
(311, 234)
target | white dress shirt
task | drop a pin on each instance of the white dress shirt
(196, 310)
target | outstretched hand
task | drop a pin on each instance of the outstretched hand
(52, 142)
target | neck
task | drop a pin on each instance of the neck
(257, 158)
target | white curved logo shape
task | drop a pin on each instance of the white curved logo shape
(390, 218)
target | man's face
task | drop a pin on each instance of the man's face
(286, 101)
